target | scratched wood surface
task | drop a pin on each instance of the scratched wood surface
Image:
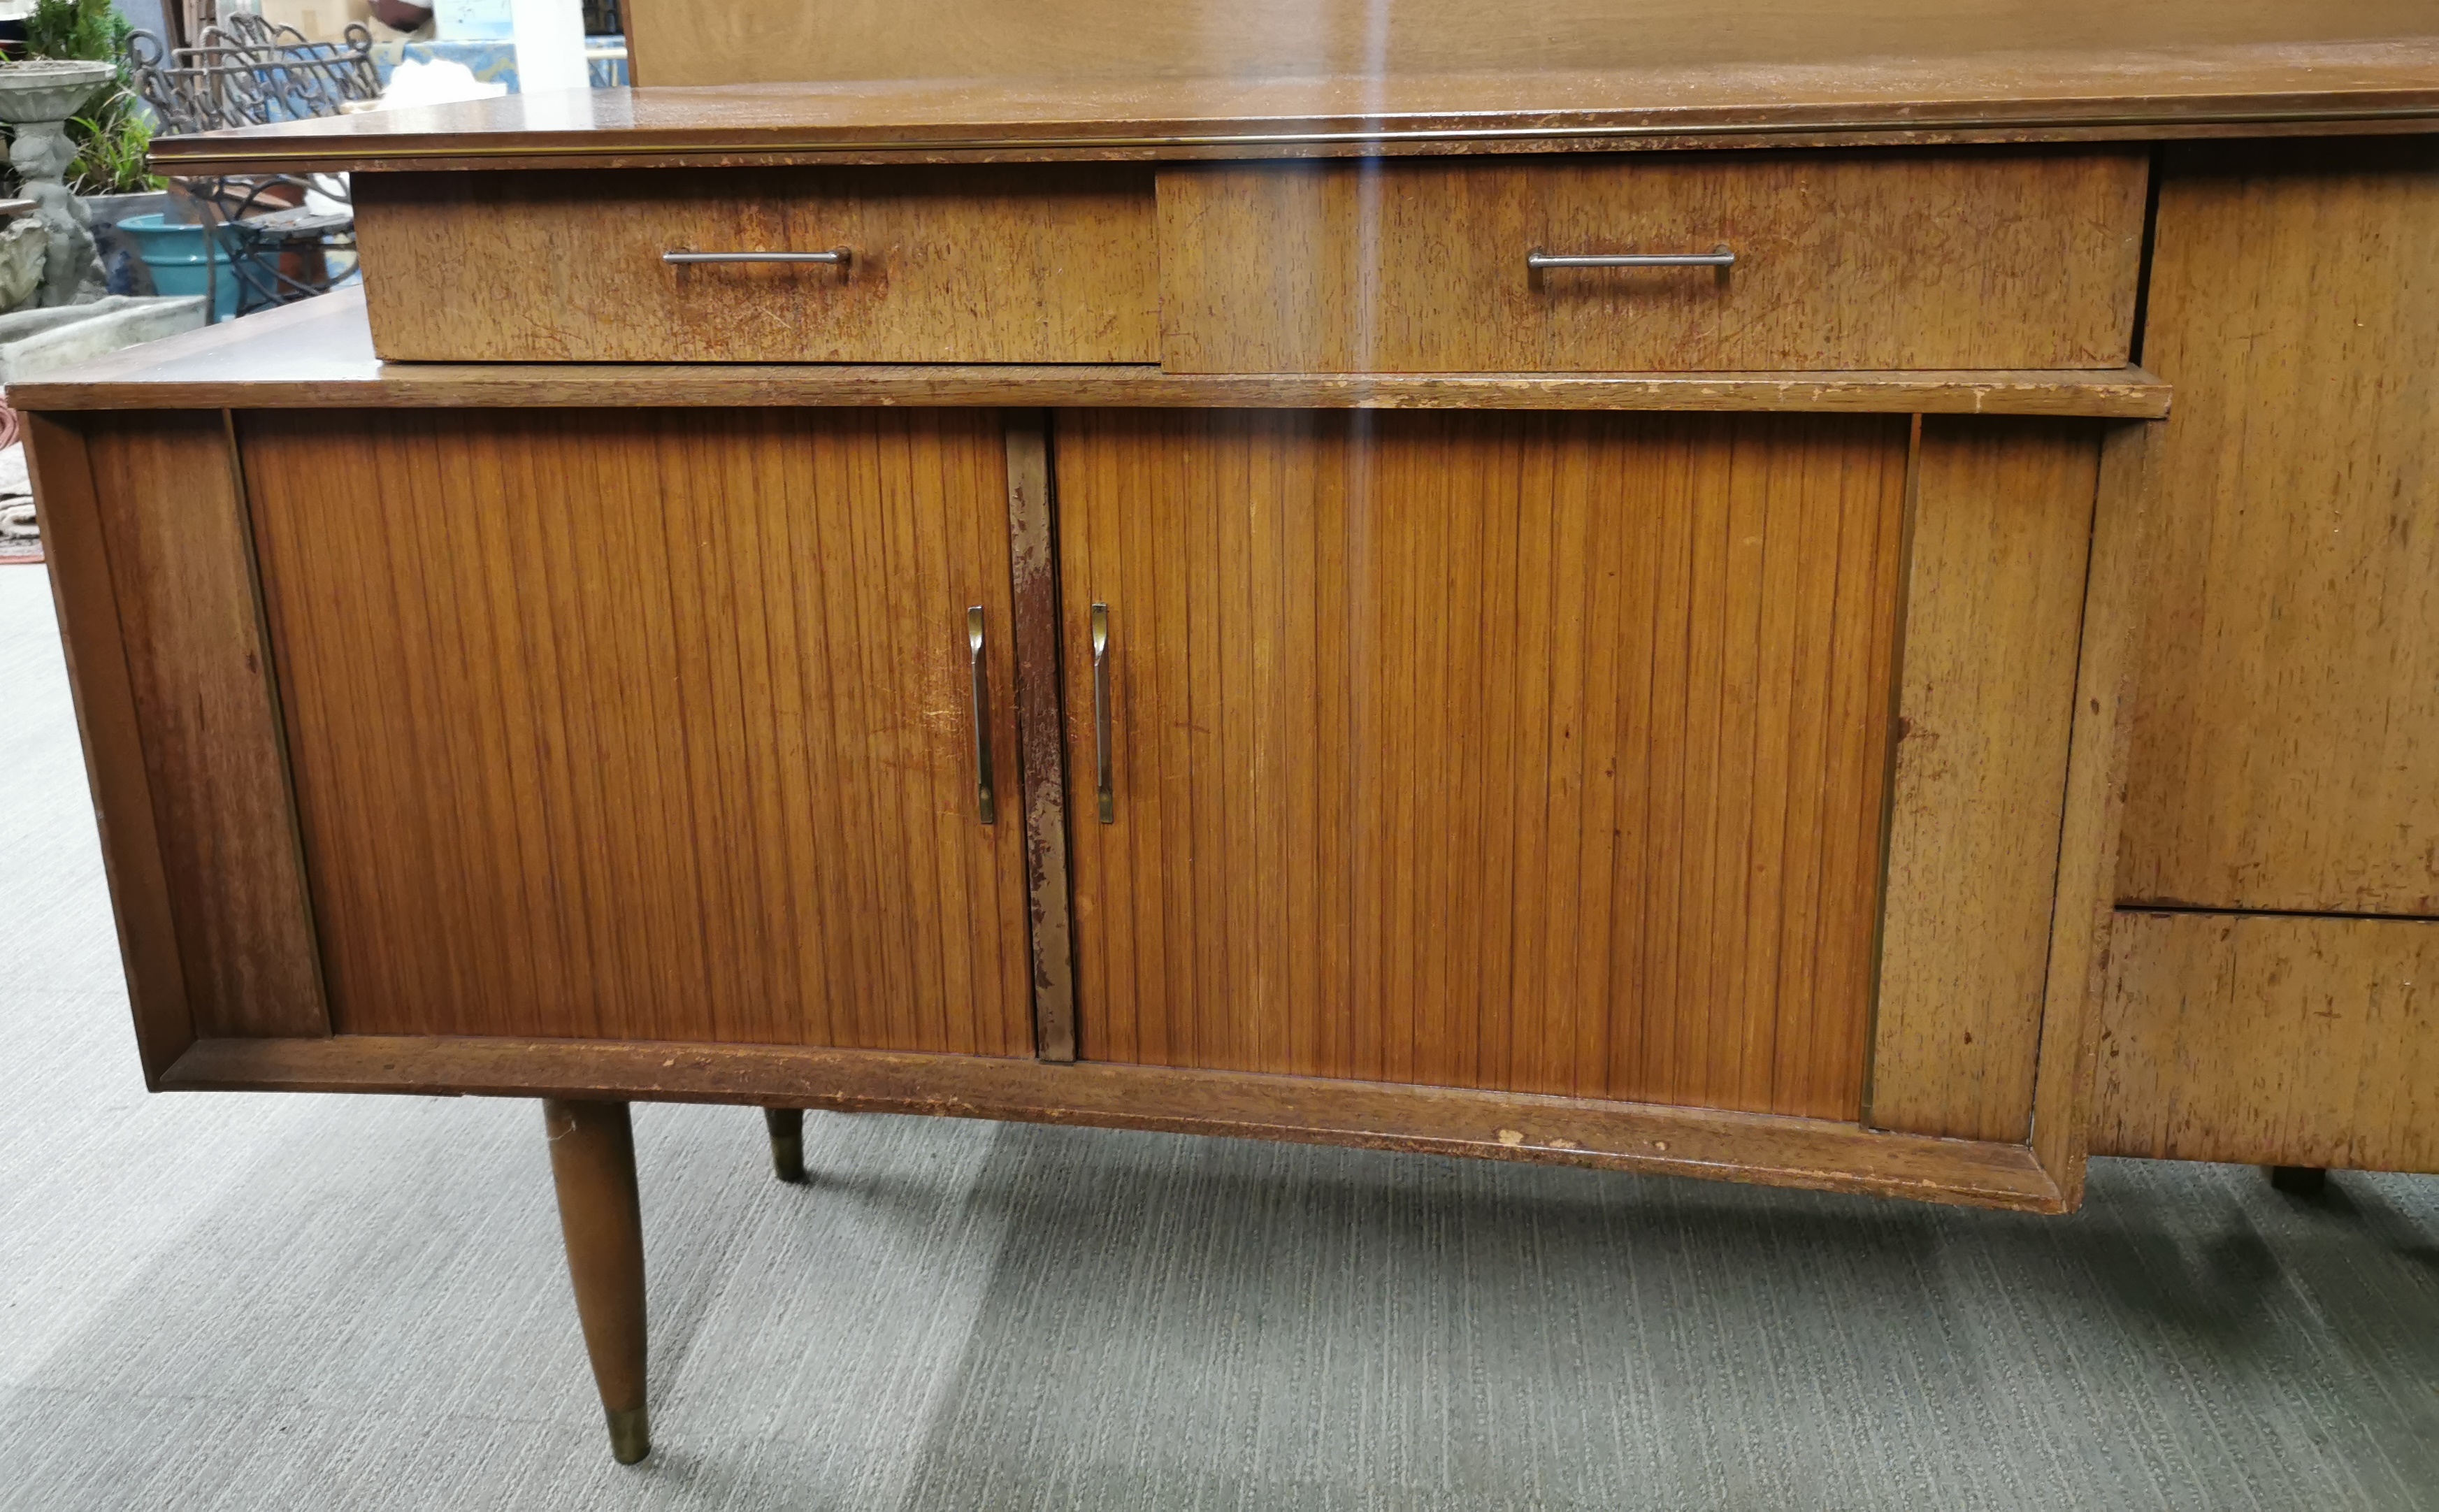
(2287, 730)
(1539, 753)
(650, 725)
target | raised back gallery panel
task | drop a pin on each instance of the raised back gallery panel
(650, 724)
(1533, 752)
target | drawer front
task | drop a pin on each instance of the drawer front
(2022, 260)
(990, 265)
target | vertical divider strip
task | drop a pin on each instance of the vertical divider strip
(1033, 566)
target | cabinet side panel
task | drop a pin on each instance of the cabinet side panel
(2287, 727)
(2002, 535)
(2276, 1040)
(651, 725)
(181, 562)
(93, 642)
(1525, 752)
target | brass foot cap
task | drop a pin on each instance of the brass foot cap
(630, 1434)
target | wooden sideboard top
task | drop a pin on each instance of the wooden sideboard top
(2315, 83)
(318, 353)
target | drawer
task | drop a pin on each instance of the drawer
(2004, 260)
(1047, 264)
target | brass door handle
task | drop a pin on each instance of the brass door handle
(986, 810)
(1101, 713)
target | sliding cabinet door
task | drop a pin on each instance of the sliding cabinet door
(650, 724)
(1544, 753)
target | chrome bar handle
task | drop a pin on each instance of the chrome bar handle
(987, 809)
(1101, 713)
(836, 255)
(1719, 257)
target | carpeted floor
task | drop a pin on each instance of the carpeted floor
(251, 1301)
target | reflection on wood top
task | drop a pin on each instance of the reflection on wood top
(319, 354)
(1834, 98)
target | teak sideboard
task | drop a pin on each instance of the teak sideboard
(1846, 631)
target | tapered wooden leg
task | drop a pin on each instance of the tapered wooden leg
(592, 1161)
(2299, 1180)
(787, 1126)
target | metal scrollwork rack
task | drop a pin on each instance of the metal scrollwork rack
(246, 71)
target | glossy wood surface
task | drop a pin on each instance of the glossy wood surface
(675, 43)
(95, 646)
(1868, 260)
(1543, 754)
(2289, 733)
(318, 354)
(1028, 266)
(2001, 534)
(650, 725)
(2272, 1040)
(1806, 1153)
(2183, 84)
(600, 1217)
(174, 522)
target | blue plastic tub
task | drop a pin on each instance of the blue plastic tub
(175, 255)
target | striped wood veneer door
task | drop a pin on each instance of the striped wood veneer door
(1533, 752)
(649, 724)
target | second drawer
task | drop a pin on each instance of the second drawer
(1885, 259)
(1018, 264)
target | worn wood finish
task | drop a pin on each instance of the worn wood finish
(672, 742)
(2272, 1040)
(101, 682)
(674, 42)
(592, 1165)
(181, 564)
(2099, 758)
(1806, 1152)
(2289, 728)
(1541, 753)
(2001, 533)
(1038, 265)
(319, 354)
(1897, 261)
(1034, 565)
(2196, 85)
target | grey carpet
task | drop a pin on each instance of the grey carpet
(225, 1301)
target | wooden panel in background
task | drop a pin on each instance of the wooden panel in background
(181, 564)
(946, 265)
(2279, 1039)
(647, 724)
(2288, 725)
(779, 40)
(1542, 752)
(2001, 538)
(1887, 260)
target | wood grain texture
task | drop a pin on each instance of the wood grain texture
(2275, 1040)
(1532, 753)
(107, 723)
(675, 43)
(181, 566)
(2194, 84)
(673, 741)
(1805, 1152)
(1887, 260)
(318, 354)
(2001, 539)
(2115, 600)
(1033, 556)
(2289, 728)
(1031, 265)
